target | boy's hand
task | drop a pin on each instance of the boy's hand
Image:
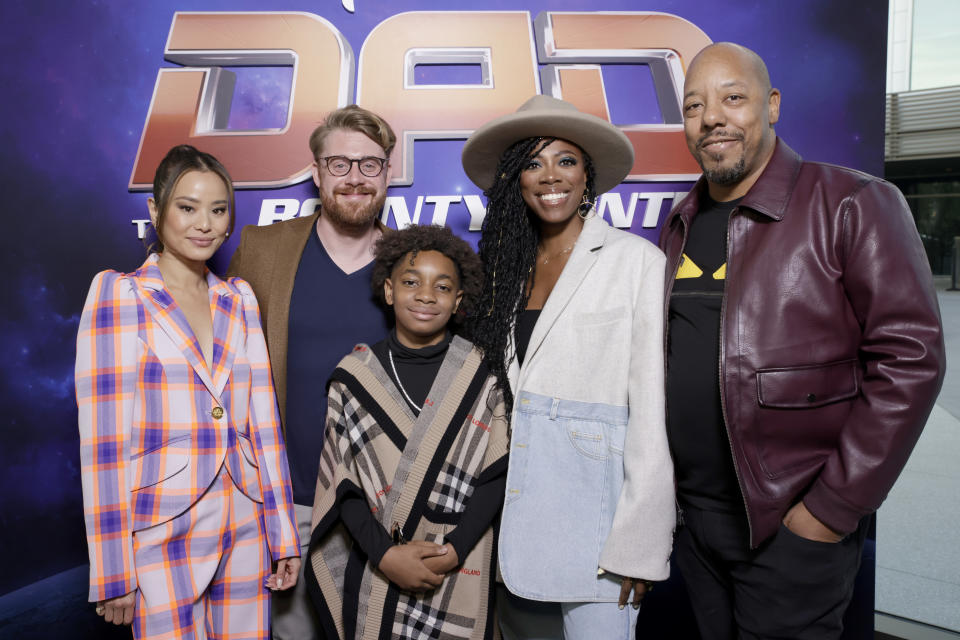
(445, 563)
(403, 565)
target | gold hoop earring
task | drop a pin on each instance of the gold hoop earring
(586, 208)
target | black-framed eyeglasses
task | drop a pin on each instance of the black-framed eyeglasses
(370, 166)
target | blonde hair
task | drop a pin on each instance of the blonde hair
(354, 118)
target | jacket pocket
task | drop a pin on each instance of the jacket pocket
(601, 317)
(245, 443)
(808, 386)
(164, 461)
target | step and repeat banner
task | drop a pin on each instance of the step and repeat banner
(97, 92)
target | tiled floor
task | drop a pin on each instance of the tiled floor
(918, 527)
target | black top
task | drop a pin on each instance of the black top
(330, 312)
(417, 368)
(703, 461)
(526, 321)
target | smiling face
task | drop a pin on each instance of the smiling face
(196, 219)
(352, 201)
(424, 291)
(553, 183)
(729, 111)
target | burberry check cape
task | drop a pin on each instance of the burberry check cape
(419, 472)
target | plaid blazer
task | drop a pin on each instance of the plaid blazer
(156, 423)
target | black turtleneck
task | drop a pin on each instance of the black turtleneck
(417, 368)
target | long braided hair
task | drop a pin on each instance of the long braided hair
(508, 244)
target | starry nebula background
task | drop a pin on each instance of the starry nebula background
(78, 79)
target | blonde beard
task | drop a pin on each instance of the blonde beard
(356, 218)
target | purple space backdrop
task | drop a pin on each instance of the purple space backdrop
(78, 79)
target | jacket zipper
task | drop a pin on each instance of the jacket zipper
(720, 363)
(666, 332)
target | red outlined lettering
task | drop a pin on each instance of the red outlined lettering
(574, 44)
(500, 42)
(191, 105)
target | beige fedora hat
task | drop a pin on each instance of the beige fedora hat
(548, 117)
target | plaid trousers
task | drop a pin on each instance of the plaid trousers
(201, 575)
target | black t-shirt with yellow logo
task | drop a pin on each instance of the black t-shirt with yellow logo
(698, 439)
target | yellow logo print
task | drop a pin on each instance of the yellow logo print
(688, 269)
(721, 273)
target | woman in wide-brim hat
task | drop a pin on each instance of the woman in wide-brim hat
(571, 323)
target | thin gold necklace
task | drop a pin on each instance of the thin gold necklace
(559, 253)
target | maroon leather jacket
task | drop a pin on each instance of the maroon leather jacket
(831, 351)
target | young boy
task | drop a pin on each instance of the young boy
(413, 468)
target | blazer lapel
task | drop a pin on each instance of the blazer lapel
(164, 310)
(289, 250)
(228, 335)
(582, 259)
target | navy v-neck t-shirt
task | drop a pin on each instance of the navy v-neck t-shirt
(330, 312)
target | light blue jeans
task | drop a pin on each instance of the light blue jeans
(522, 619)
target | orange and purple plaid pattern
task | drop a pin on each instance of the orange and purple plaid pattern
(157, 424)
(218, 542)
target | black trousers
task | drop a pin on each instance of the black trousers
(789, 587)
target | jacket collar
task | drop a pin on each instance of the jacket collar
(769, 195)
(582, 258)
(225, 304)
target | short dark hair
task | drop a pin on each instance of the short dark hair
(354, 118)
(393, 246)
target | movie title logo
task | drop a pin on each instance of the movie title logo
(556, 53)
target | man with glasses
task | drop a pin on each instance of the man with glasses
(311, 276)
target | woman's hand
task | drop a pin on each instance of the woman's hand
(443, 564)
(403, 564)
(288, 570)
(118, 610)
(639, 588)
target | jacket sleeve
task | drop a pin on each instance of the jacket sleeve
(888, 283)
(106, 383)
(641, 537)
(279, 517)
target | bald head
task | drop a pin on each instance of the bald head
(729, 110)
(739, 55)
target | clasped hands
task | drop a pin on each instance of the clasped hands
(418, 565)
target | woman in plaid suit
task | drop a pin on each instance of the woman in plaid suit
(186, 490)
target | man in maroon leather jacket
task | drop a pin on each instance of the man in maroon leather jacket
(804, 332)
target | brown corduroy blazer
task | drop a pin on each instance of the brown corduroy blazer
(268, 258)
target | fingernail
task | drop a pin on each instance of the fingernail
(636, 605)
(621, 607)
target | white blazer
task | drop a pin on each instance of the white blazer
(597, 350)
